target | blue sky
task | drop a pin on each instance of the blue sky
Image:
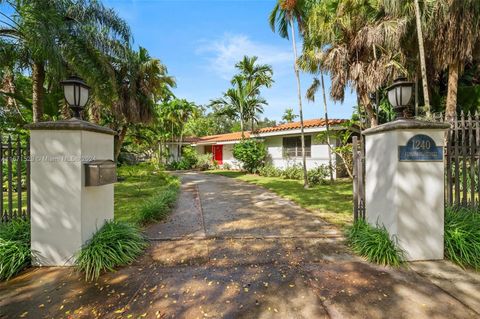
(201, 40)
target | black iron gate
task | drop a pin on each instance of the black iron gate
(14, 178)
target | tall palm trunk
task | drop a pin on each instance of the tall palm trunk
(451, 107)
(38, 79)
(327, 127)
(367, 104)
(118, 141)
(241, 121)
(423, 67)
(300, 109)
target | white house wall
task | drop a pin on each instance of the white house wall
(319, 154)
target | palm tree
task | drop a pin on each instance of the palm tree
(289, 116)
(65, 36)
(358, 45)
(454, 39)
(258, 75)
(241, 102)
(284, 14)
(142, 81)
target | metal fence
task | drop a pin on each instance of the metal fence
(463, 161)
(14, 178)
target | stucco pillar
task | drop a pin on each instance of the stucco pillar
(64, 212)
(404, 184)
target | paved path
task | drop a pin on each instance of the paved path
(234, 250)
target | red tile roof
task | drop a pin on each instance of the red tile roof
(296, 125)
(282, 127)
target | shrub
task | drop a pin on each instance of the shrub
(270, 171)
(189, 157)
(115, 244)
(251, 154)
(293, 172)
(374, 244)
(318, 175)
(157, 207)
(462, 236)
(205, 162)
(15, 253)
(226, 166)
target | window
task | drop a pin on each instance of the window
(292, 146)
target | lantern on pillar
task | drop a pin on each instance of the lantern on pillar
(399, 96)
(76, 93)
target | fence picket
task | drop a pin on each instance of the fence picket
(471, 153)
(355, 178)
(457, 170)
(10, 178)
(27, 159)
(2, 216)
(477, 152)
(449, 194)
(19, 177)
(464, 162)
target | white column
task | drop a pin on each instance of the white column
(64, 212)
(405, 192)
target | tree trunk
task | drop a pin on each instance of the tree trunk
(422, 59)
(327, 127)
(38, 79)
(367, 104)
(451, 107)
(297, 75)
(118, 141)
(241, 121)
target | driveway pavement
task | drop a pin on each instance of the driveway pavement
(235, 250)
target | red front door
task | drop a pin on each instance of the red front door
(217, 151)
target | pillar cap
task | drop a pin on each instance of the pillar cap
(71, 124)
(403, 124)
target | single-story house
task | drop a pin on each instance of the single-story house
(282, 141)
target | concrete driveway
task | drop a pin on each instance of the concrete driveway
(234, 250)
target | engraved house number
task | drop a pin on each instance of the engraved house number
(420, 148)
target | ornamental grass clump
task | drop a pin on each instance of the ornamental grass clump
(374, 244)
(462, 236)
(15, 252)
(158, 206)
(115, 244)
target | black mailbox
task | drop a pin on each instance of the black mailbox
(100, 172)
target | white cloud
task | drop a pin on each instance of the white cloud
(222, 54)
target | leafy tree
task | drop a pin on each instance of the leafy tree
(141, 81)
(289, 116)
(283, 16)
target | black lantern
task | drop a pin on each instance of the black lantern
(76, 94)
(399, 95)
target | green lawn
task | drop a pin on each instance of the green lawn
(333, 202)
(141, 182)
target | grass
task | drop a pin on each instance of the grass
(374, 244)
(142, 187)
(462, 236)
(332, 202)
(115, 244)
(15, 253)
